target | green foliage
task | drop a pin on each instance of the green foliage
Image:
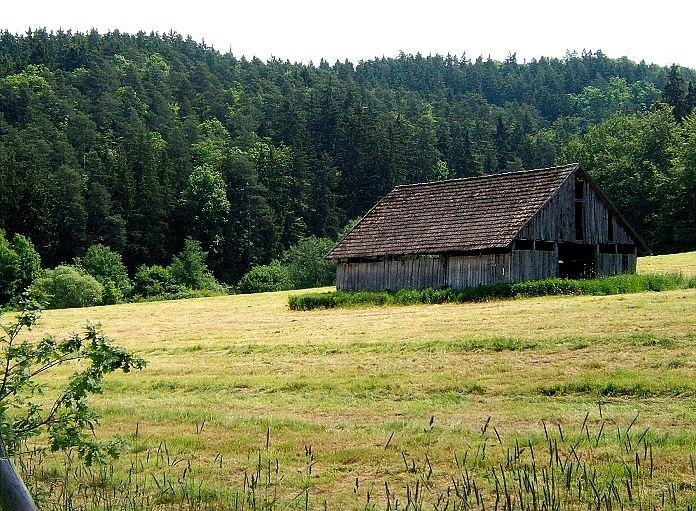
(9, 270)
(205, 205)
(153, 281)
(20, 265)
(28, 407)
(107, 267)
(599, 103)
(674, 94)
(65, 287)
(186, 277)
(302, 266)
(639, 161)
(104, 140)
(263, 278)
(213, 144)
(29, 261)
(306, 264)
(681, 197)
(189, 269)
(619, 284)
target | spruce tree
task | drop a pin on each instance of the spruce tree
(673, 93)
(690, 100)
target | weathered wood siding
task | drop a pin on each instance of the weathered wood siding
(533, 264)
(555, 221)
(631, 262)
(596, 224)
(392, 275)
(615, 264)
(457, 272)
(479, 270)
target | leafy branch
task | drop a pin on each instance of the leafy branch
(65, 418)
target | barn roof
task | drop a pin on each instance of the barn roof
(456, 215)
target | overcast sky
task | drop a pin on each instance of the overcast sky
(662, 31)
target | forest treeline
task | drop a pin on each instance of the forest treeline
(139, 142)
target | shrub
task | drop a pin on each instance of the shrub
(29, 261)
(112, 294)
(263, 278)
(186, 277)
(152, 281)
(302, 266)
(306, 264)
(20, 265)
(61, 414)
(66, 287)
(107, 267)
(189, 269)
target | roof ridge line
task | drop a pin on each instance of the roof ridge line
(469, 178)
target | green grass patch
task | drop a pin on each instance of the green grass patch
(619, 284)
(621, 385)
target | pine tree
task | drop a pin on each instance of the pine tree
(462, 161)
(501, 144)
(673, 93)
(690, 100)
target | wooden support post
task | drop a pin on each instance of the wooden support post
(14, 495)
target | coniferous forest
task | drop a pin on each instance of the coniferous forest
(140, 142)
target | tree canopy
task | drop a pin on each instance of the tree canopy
(138, 142)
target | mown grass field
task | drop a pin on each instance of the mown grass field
(364, 394)
(684, 263)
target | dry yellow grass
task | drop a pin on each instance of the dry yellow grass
(684, 263)
(343, 380)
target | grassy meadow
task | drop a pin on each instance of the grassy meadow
(684, 263)
(329, 405)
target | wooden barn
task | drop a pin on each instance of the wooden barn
(458, 233)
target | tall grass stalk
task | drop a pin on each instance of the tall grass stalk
(597, 464)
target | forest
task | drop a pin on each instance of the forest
(142, 142)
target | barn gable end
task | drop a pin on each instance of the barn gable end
(556, 219)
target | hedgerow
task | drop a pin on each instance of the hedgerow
(619, 284)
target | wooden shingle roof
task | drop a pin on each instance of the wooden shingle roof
(457, 215)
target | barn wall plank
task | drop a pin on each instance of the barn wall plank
(556, 219)
(480, 270)
(392, 275)
(615, 264)
(533, 264)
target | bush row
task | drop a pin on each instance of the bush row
(618, 284)
(101, 278)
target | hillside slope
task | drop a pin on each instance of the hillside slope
(684, 263)
(139, 141)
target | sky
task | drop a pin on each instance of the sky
(303, 30)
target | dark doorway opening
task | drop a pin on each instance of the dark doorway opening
(576, 260)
